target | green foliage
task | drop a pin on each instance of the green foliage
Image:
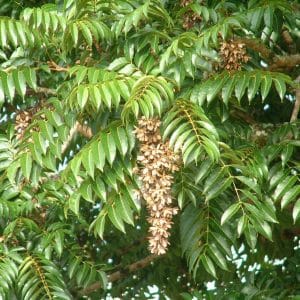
(84, 272)
(45, 18)
(205, 241)
(147, 97)
(190, 131)
(238, 83)
(37, 276)
(76, 75)
(84, 31)
(15, 81)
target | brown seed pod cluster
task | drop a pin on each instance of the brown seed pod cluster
(184, 3)
(157, 162)
(24, 119)
(261, 133)
(233, 54)
(190, 19)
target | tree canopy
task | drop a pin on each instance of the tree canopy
(149, 149)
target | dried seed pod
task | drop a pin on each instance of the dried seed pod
(157, 163)
(24, 119)
(190, 19)
(184, 3)
(233, 54)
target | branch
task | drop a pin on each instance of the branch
(121, 273)
(257, 46)
(287, 38)
(296, 108)
(82, 129)
(275, 62)
(284, 62)
(41, 90)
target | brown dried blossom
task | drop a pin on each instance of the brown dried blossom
(233, 54)
(184, 3)
(24, 119)
(157, 162)
(190, 19)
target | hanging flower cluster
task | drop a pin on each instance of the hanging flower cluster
(233, 54)
(157, 162)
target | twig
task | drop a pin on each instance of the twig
(82, 129)
(287, 38)
(41, 90)
(121, 273)
(296, 108)
(55, 67)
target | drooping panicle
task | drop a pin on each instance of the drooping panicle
(157, 163)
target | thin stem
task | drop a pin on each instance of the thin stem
(296, 108)
(82, 129)
(121, 273)
(234, 185)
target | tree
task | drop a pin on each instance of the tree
(149, 143)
